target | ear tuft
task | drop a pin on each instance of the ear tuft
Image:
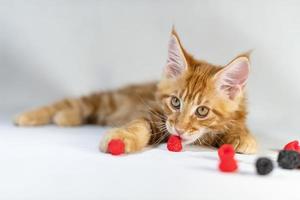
(176, 62)
(232, 79)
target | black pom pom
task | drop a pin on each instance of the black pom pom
(264, 166)
(288, 159)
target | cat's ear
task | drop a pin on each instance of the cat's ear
(231, 80)
(176, 62)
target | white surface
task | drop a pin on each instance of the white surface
(51, 49)
(64, 163)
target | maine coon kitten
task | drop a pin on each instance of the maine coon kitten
(202, 103)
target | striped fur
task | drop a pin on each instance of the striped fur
(142, 114)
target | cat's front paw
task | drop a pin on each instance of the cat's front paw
(247, 145)
(244, 144)
(129, 139)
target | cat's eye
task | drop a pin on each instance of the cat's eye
(202, 111)
(175, 102)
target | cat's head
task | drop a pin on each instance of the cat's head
(198, 97)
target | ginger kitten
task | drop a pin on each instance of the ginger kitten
(203, 103)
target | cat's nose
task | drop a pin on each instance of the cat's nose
(179, 131)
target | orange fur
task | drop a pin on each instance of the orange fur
(141, 112)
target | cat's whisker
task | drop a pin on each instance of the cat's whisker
(163, 129)
(150, 108)
(159, 123)
(199, 141)
(220, 138)
(205, 141)
(158, 133)
(161, 139)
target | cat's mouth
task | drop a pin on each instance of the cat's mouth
(187, 138)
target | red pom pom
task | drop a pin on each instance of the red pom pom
(174, 143)
(226, 151)
(116, 147)
(228, 165)
(227, 162)
(292, 146)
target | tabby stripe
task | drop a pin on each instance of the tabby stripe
(217, 112)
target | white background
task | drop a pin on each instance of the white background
(53, 49)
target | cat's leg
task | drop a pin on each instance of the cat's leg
(68, 112)
(68, 117)
(135, 135)
(242, 140)
(116, 107)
